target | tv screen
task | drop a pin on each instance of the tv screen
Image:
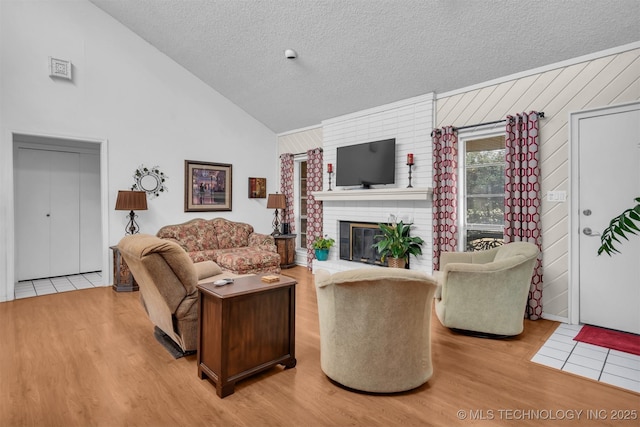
(366, 164)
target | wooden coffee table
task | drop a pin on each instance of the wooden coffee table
(245, 328)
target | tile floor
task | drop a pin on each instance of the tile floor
(587, 360)
(52, 285)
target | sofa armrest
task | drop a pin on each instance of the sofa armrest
(259, 239)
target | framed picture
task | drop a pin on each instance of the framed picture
(207, 186)
(257, 188)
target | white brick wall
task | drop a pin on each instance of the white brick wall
(410, 122)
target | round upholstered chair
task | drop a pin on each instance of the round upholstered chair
(375, 328)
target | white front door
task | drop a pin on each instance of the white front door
(608, 172)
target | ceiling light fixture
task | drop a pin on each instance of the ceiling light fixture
(290, 54)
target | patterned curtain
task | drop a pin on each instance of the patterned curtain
(314, 208)
(445, 192)
(286, 188)
(522, 195)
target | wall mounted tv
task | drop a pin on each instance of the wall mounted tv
(366, 164)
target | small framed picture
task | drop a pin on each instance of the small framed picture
(207, 186)
(257, 188)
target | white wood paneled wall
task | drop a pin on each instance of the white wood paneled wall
(300, 141)
(609, 80)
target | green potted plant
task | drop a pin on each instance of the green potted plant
(396, 244)
(621, 224)
(321, 246)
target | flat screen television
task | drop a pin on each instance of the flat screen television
(366, 164)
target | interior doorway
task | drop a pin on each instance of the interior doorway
(605, 146)
(59, 219)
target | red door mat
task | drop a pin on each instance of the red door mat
(615, 340)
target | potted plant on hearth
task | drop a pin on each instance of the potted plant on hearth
(396, 244)
(321, 246)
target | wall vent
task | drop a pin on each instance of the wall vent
(59, 68)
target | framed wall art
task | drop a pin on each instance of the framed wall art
(257, 188)
(207, 186)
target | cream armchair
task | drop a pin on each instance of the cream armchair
(486, 291)
(167, 279)
(375, 328)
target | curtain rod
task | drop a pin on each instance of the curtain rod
(540, 114)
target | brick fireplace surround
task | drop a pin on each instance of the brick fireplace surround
(410, 122)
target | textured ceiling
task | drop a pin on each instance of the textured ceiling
(358, 54)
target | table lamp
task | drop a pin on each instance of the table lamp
(131, 201)
(276, 201)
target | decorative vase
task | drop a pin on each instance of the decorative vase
(322, 254)
(396, 262)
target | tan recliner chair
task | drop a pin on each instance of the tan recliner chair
(486, 292)
(167, 279)
(375, 328)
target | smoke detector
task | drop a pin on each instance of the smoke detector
(290, 54)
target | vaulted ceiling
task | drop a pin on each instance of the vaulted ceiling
(358, 54)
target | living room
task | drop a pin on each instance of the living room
(138, 107)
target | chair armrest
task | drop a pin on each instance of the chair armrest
(454, 257)
(322, 278)
(488, 267)
(206, 269)
(476, 257)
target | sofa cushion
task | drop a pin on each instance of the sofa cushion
(231, 234)
(195, 235)
(248, 260)
(201, 256)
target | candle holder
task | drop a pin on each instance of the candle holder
(330, 173)
(410, 166)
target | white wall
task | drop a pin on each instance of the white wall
(143, 106)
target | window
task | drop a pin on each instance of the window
(482, 168)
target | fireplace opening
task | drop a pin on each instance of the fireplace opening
(356, 242)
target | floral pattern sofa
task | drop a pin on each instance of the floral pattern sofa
(232, 245)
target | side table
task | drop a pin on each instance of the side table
(286, 244)
(123, 280)
(244, 328)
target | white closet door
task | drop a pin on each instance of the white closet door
(65, 213)
(32, 214)
(48, 213)
(90, 219)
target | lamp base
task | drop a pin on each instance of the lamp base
(276, 225)
(132, 227)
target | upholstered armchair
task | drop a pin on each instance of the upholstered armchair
(375, 328)
(167, 278)
(486, 291)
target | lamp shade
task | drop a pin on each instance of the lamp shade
(131, 201)
(276, 201)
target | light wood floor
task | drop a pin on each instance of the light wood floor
(89, 358)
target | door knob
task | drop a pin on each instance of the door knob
(587, 231)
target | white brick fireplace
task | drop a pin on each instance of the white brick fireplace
(410, 122)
